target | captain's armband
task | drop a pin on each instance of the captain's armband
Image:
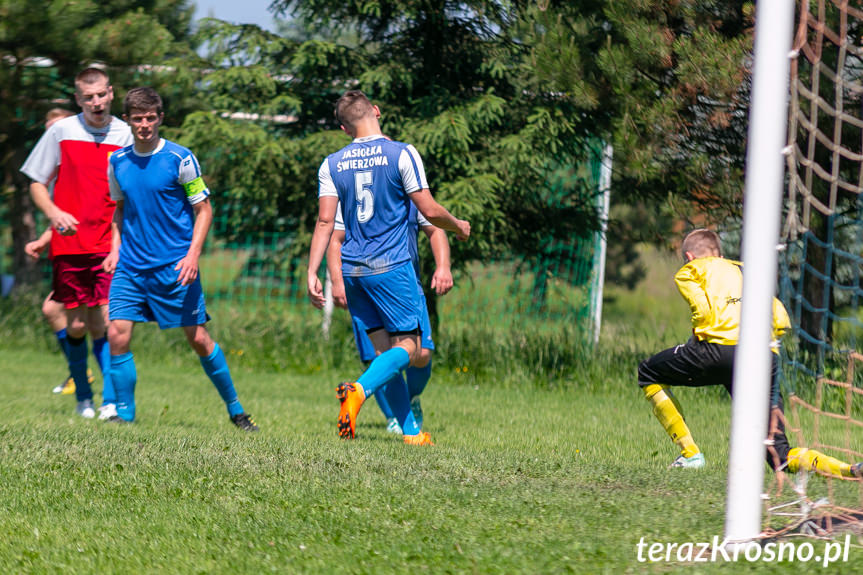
(196, 190)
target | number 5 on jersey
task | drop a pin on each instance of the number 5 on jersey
(365, 198)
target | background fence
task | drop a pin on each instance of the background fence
(554, 288)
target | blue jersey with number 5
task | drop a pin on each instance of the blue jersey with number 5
(372, 178)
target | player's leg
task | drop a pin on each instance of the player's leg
(216, 367)
(98, 324)
(368, 352)
(417, 377)
(379, 341)
(123, 371)
(385, 300)
(70, 288)
(419, 372)
(781, 456)
(55, 314)
(384, 404)
(777, 442)
(128, 306)
(383, 372)
(686, 364)
(176, 305)
(396, 390)
(801, 458)
(77, 330)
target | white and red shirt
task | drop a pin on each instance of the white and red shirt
(77, 155)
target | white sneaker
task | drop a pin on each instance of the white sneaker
(107, 411)
(85, 409)
(694, 462)
(393, 426)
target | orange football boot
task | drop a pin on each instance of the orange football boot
(352, 396)
(423, 438)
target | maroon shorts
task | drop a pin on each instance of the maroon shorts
(80, 280)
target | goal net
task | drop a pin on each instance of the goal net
(821, 263)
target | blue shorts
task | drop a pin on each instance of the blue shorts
(388, 300)
(156, 295)
(364, 344)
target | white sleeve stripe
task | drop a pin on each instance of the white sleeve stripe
(408, 172)
(418, 166)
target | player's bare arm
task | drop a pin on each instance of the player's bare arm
(442, 279)
(109, 264)
(438, 215)
(188, 266)
(64, 222)
(334, 265)
(320, 240)
(35, 248)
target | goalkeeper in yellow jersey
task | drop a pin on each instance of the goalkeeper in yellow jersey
(713, 286)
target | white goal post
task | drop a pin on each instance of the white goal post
(768, 119)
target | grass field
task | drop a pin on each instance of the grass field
(526, 477)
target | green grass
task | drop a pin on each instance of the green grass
(521, 480)
(564, 472)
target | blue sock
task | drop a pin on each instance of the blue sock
(63, 341)
(381, 397)
(383, 368)
(396, 392)
(125, 376)
(78, 367)
(417, 378)
(102, 353)
(216, 367)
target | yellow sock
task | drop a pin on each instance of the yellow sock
(667, 411)
(811, 460)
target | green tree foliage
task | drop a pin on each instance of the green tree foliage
(678, 91)
(501, 98)
(668, 84)
(43, 45)
(500, 147)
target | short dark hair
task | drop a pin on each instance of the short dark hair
(143, 98)
(91, 75)
(702, 243)
(352, 107)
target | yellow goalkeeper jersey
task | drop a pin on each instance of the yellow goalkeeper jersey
(713, 288)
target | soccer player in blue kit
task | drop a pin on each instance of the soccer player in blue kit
(162, 218)
(418, 374)
(375, 179)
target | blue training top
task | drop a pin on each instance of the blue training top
(158, 191)
(372, 178)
